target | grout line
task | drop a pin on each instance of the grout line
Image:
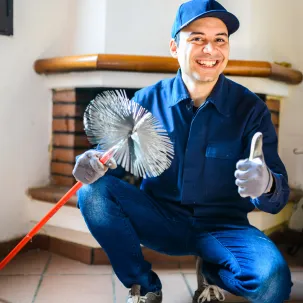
(114, 286)
(187, 284)
(180, 267)
(41, 278)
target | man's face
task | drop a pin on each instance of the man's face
(203, 49)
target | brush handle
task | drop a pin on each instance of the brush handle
(38, 226)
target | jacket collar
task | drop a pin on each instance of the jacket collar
(218, 97)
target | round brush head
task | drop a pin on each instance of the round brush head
(143, 146)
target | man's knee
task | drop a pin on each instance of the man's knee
(95, 200)
(272, 281)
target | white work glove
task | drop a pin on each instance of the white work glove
(89, 169)
(253, 177)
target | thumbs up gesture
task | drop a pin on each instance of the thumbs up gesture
(253, 177)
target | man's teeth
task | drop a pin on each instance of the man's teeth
(208, 63)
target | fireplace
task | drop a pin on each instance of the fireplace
(75, 81)
(69, 139)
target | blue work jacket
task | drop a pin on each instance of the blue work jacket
(208, 143)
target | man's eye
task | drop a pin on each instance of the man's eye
(197, 39)
(220, 40)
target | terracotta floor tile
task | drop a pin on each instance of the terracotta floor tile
(76, 289)
(18, 289)
(120, 291)
(175, 289)
(192, 281)
(29, 263)
(71, 281)
(61, 265)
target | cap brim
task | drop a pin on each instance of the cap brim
(231, 21)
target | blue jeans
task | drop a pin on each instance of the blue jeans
(237, 258)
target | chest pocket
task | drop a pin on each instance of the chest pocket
(220, 165)
(223, 150)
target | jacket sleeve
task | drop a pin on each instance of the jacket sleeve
(274, 201)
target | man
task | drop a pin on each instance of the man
(199, 205)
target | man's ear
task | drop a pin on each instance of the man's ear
(173, 48)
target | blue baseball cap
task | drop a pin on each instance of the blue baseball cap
(192, 10)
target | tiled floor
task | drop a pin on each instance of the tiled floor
(42, 277)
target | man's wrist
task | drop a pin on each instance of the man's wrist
(270, 188)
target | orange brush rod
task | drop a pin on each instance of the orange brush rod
(58, 205)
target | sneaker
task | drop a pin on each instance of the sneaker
(205, 291)
(151, 297)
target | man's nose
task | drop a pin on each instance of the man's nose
(208, 48)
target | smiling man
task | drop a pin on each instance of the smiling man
(202, 49)
(199, 205)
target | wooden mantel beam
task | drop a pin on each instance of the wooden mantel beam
(154, 64)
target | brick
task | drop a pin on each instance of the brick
(71, 140)
(65, 154)
(62, 180)
(275, 118)
(68, 110)
(62, 168)
(67, 125)
(273, 105)
(64, 96)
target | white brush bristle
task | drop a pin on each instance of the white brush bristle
(111, 118)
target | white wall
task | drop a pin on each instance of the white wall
(25, 106)
(139, 27)
(291, 134)
(143, 27)
(87, 35)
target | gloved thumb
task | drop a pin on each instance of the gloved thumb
(111, 163)
(256, 148)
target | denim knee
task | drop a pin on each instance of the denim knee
(95, 201)
(273, 282)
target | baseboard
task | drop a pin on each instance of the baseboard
(38, 242)
(90, 254)
(83, 253)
